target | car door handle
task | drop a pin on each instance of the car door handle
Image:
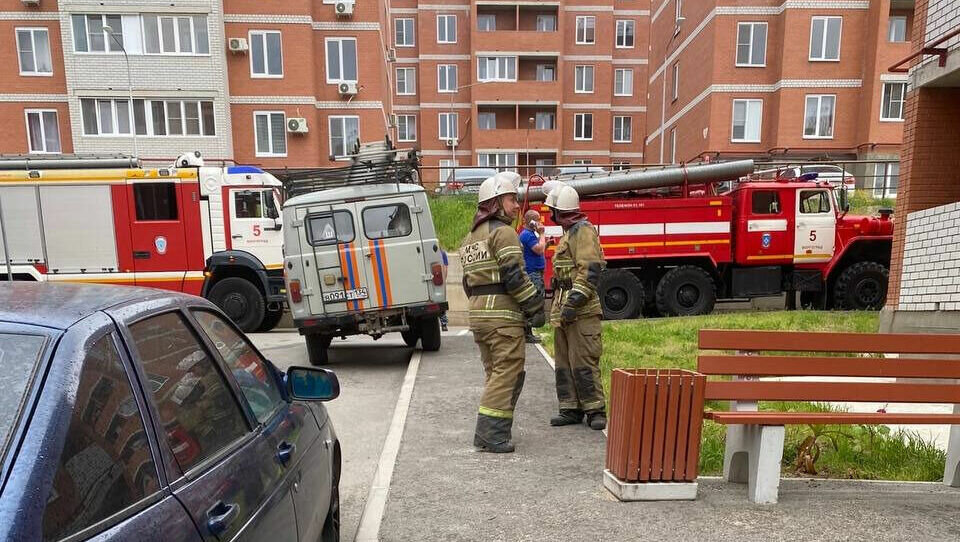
(236, 236)
(285, 452)
(141, 254)
(220, 516)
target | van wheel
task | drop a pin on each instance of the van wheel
(429, 333)
(412, 335)
(862, 287)
(620, 293)
(241, 301)
(686, 291)
(270, 320)
(318, 347)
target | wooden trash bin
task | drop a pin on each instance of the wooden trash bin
(656, 416)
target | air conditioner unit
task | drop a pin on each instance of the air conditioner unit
(393, 120)
(238, 45)
(31, 3)
(297, 125)
(391, 55)
(348, 88)
(451, 141)
(344, 9)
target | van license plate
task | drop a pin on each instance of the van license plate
(345, 295)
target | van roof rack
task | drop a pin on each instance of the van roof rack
(370, 163)
(27, 162)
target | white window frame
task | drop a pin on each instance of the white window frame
(542, 68)
(445, 17)
(624, 23)
(746, 120)
(509, 160)
(34, 30)
(883, 99)
(343, 120)
(410, 122)
(270, 134)
(890, 28)
(823, 44)
(109, 43)
(481, 115)
(579, 121)
(447, 120)
(580, 82)
(882, 174)
(409, 41)
(409, 79)
(673, 145)
(627, 88)
(494, 61)
(486, 17)
(326, 54)
(623, 120)
(543, 115)
(582, 161)
(147, 116)
(584, 19)
(176, 34)
(443, 74)
(266, 55)
(447, 167)
(675, 81)
(43, 130)
(833, 126)
(751, 46)
(546, 17)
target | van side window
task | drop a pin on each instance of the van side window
(387, 221)
(814, 202)
(330, 228)
(766, 202)
(155, 201)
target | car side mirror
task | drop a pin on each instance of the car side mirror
(844, 201)
(312, 384)
(277, 225)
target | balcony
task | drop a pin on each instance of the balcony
(518, 41)
(516, 139)
(517, 28)
(525, 91)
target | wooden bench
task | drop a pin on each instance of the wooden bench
(754, 446)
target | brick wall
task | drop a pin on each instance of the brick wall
(931, 260)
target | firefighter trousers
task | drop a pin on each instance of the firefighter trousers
(502, 353)
(577, 349)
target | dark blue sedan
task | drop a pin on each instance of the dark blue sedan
(139, 414)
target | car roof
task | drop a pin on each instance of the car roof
(60, 305)
(356, 191)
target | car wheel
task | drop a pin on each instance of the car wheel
(412, 335)
(862, 287)
(241, 301)
(270, 320)
(331, 527)
(620, 293)
(686, 291)
(318, 347)
(430, 333)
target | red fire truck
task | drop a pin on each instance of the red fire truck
(674, 245)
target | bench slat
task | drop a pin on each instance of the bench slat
(871, 392)
(827, 366)
(792, 418)
(798, 341)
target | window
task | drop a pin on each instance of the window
(341, 60)
(546, 120)
(625, 32)
(583, 126)
(448, 125)
(894, 94)
(814, 202)
(155, 201)
(330, 228)
(404, 33)
(500, 160)
(179, 34)
(447, 78)
(545, 166)
(406, 127)
(446, 29)
(583, 162)
(200, 414)
(546, 72)
(21, 356)
(765, 202)
(825, 38)
(487, 121)
(546, 23)
(583, 79)
(90, 37)
(344, 134)
(266, 56)
(818, 116)
(254, 204)
(486, 23)
(886, 180)
(255, 379)
(751, 44)
(270, 132)
(622, 129)
(99, 474)
(673, 145)
(747, 115)
(623, 82)
(446, 170)
(33, 50)
(621, 166)
(112, 117)
(586, 30)
(675, 91)
(386, 221)
(406, 81)
(897, 29)
(43, 130)
(497, 68)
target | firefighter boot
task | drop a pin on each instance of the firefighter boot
(567, 416)
(597, 419)
(493, 435)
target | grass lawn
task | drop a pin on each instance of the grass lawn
(866, 452)
(452, 216)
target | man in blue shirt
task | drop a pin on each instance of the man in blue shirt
(534, 245)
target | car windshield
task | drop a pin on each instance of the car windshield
(19, 355)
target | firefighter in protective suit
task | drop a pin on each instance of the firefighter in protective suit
(502, 301)
(575, 315)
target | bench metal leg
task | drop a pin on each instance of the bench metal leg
(752, 455)
(951, 474)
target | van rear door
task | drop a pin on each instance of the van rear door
(332, 260)
(392, 251)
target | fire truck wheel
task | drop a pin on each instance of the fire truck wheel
(411, 336)
(862, 286)
(429, 333)
(241, 301)
(270, 320)
(686, 291)
(621, 294)
(317, 348)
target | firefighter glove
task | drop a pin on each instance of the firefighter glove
(537, 319)
(568, 315)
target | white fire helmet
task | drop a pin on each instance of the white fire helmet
(561, 196)
(505, 182)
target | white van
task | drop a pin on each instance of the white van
(363, 259)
